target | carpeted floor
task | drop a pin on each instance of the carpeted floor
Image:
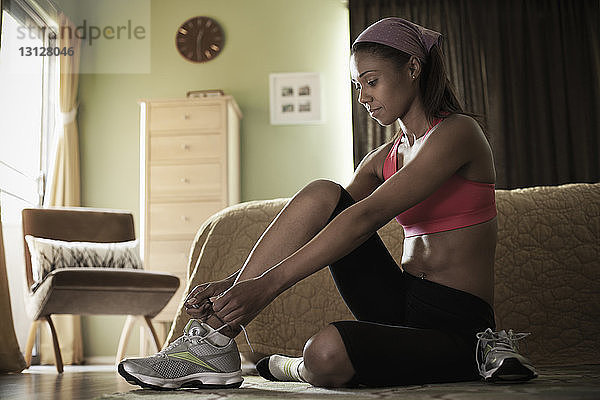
(582, 382)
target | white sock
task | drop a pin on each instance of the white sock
(286, 368)
(215, 337)
(218, 339)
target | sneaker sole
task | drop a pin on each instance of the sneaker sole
(511, 370)
(207, 380)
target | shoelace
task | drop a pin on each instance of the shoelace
(162, 353)
(241, 326)
(246, 335)
(187, 336)
(506, 341)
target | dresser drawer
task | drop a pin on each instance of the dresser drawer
(172, 118)
(164, 148)
(204, 180)
(168, 256)
(180, 220)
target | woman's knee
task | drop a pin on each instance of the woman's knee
(326, 360)
(321, 192)
(323, 188)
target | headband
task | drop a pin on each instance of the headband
(402, 35)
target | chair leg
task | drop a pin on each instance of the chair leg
(148, 321)
(125, 334)
(57, 355)
(30, 341)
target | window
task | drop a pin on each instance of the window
(28, 88)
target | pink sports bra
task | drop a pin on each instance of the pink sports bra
(458, 203)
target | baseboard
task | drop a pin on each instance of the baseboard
(99, 360)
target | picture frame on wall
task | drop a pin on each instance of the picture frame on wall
(295, 98)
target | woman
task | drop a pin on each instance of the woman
(416, 323)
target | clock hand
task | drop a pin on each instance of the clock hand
(199, 42)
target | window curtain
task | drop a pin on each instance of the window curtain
(63, 187)
(529, 68)
(11, 359)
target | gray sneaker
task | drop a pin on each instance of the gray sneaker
(193, 360)
(498, 357)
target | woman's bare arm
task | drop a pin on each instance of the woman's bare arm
(368, 174)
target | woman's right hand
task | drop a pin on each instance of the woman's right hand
(198, 304)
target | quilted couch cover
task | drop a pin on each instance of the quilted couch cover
(547, 274)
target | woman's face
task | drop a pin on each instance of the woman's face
(386, 93)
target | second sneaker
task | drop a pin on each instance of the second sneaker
(498, 357)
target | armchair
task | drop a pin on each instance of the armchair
(81, 291)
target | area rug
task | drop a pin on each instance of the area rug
(582, 382)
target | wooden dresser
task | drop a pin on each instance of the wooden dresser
(190, 169)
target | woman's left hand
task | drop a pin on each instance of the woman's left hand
(239, 304)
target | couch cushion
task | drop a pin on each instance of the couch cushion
(547, 272)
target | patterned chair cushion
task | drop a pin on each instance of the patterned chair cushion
(48, 255)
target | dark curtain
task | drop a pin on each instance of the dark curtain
(529, 68)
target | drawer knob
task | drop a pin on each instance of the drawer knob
(185, 218)
(186, 116)
(185, 180)
(185, 147)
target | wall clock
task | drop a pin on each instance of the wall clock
(200, 39)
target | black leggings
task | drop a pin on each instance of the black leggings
(408, 330)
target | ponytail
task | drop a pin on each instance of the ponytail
(437, 94)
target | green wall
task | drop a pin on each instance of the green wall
(262, 37)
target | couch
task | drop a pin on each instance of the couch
(547, 274)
